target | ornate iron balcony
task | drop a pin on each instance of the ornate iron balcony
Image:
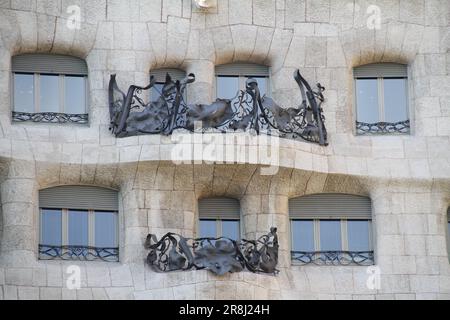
(49, 117)
(219, 255)
(130, 115)
(360, 258)
(401, 127)
(82, 253)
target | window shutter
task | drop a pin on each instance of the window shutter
(49, 63)
(79, 197)
(330, 206)
(242, 69)
(379, 70)
(219, 208)
(160, 74)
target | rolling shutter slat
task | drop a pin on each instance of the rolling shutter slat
(219, 208)
(377, 70)
(330, 206)
(242, 69)
(160, 74)
(49, 63)
(79, 197)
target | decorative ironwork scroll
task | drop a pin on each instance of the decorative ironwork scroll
(219, 255)
(83, 253)
(383, 127)
(361, 258)
(130, 115)
(49, 117)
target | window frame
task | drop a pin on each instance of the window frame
(344, 232)
(61, 91)
(380, 76)
(65, 228)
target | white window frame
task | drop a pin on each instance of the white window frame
(65, 226)
(61, 84)
(344, 232)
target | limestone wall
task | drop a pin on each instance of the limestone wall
(407, 177)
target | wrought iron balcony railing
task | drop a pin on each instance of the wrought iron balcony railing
(82, 253)
(130, 115)
(49, 117)
(219, 255)
(360, 258)
(401, 127)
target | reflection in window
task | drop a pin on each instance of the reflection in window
(105, 229)
(230, 229)
(367, 100)
(358, 235)
(302, 235)
(219, 228)
(156, 91)
(24, 92)
(330, 235)
(51, 223)
(49, 93)
(78, 228)
(227, 87)
(208, 229)
(395, 105)
(75, 94)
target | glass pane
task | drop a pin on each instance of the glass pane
(230, 229)
(51, 232)
(302, 235)
(155, 91)
(367, 100)
(78, 228)
(358, 235)
(330, 235)
(395, 105)
(75, 95)
(262, 84)
(24, 92)
(49, 93)
(227, 87)
(105, 229)
(208, 229)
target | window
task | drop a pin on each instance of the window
(331, 229)
(230, 78)
(381, 99)
(49, 88)
(78, 222)
(219, 217)
(160, 77)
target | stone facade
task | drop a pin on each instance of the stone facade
(407, 177)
